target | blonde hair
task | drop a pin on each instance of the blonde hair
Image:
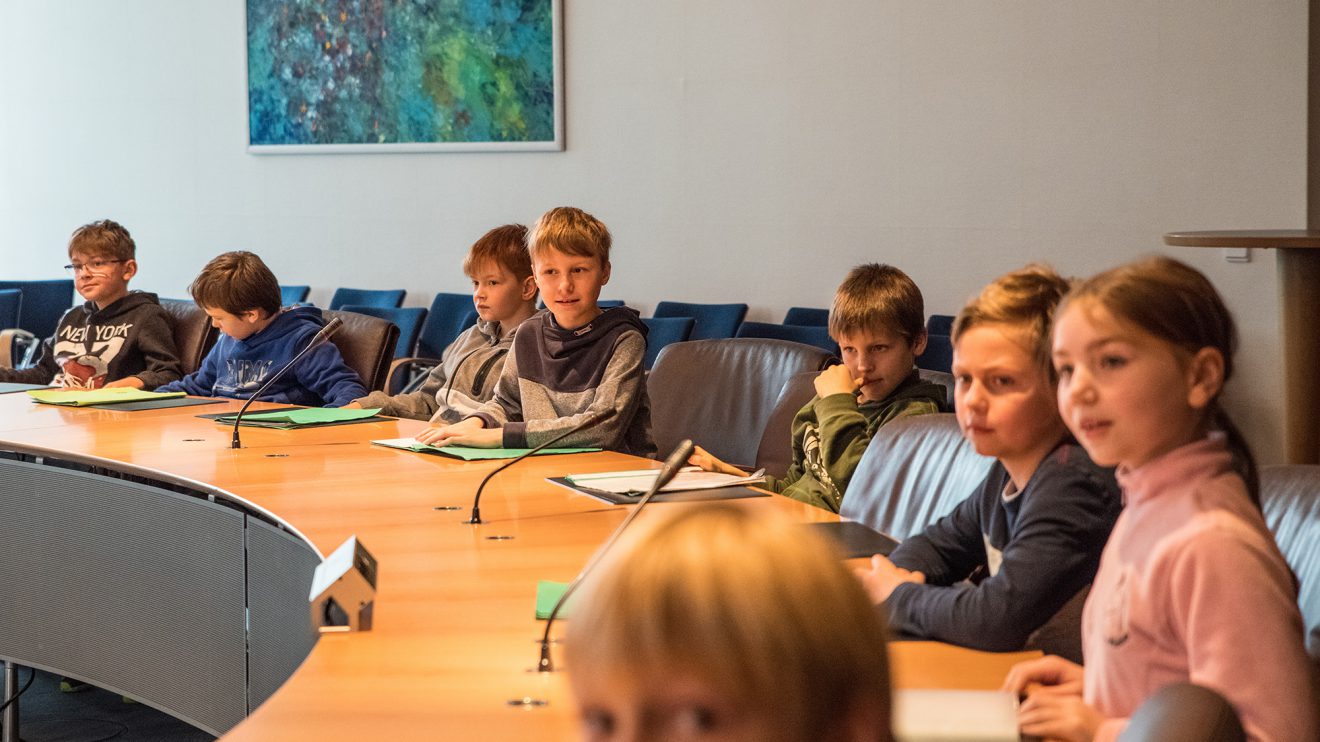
(1023, 299)
(875, 296)
(758, 607)
(572, 232)
(505, 247)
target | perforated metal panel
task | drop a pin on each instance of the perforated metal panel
(280, 633)
(127, 586)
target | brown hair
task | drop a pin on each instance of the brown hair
(570, 231)
(103, 239)
(756, 606)
(1177, 304)
(875, 296)
(1024, 299)
(504, 246)
(236, 282)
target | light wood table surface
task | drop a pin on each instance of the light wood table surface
(455, 634)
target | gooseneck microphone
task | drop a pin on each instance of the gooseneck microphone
(318, 339)
(676, 461)
(595, 419)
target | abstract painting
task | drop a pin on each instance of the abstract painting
(404, 75)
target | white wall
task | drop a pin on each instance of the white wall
(738, 149)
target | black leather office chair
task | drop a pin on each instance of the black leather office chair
(1184, 712)
(193, 333)
(720, 393)
(367, 345)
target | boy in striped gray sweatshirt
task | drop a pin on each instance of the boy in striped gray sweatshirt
(570, 361)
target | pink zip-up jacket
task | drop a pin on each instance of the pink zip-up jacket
(1192, 588)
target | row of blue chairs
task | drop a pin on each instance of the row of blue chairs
(425, 333)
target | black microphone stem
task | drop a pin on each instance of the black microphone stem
(319, 339)
(671, 466)
(476, 501)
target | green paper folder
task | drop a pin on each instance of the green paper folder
(467, 453)
(547, 594)
(114, 395)
(299, 417)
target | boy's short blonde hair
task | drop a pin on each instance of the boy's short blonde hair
(756, 606)
(237, 282)
(103, 239)
(1024, 300)
(877, 297)
(572, 232)
(505, 247)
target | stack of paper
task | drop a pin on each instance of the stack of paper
(922, 715)
(472, 454)
(83, 398)
(640, 480)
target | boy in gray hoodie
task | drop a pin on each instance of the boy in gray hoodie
(504, 294)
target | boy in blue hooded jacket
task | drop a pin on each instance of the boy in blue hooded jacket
(242, 298)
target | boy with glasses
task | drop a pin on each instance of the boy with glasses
(116, 337)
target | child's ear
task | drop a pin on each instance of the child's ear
(130, 269)
(1205, 377)
(919, 343)
(529, 288)
(605, 275)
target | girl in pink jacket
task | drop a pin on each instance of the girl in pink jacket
(1191, 586)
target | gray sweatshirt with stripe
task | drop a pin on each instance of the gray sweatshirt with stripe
(463, 381)
(554, 378)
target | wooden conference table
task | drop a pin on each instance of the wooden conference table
(454, 631)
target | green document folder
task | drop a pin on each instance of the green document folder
(467, 453)
(300, 418)
(97, 396)
(547, 594)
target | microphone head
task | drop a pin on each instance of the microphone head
(675, 461)
(331, 327)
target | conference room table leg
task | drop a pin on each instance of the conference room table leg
(10, 699)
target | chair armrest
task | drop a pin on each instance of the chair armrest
(408, 365)
(17, 342)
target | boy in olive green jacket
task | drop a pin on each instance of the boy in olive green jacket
(878, 320)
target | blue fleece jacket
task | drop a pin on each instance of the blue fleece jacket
(237, 368)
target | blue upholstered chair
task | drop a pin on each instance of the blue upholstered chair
(661, 331)
(450, 315)
(807, 316)
(714, 321)
(367, 298)
(938, 355)
(940, 324)
(805, 334)
(11, 301)
(44, 302)
(290, 295)
(407, 319)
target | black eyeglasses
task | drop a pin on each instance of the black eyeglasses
(92, 266)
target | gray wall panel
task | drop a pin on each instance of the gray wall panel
(127, 586)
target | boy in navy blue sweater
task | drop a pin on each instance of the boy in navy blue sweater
(242, 298)
(1010, 566)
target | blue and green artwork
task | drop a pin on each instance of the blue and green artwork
(364, 75)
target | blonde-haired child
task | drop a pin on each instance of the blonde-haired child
(723, 622)
(1009, 565)
(1191, 586)
(570, 362)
